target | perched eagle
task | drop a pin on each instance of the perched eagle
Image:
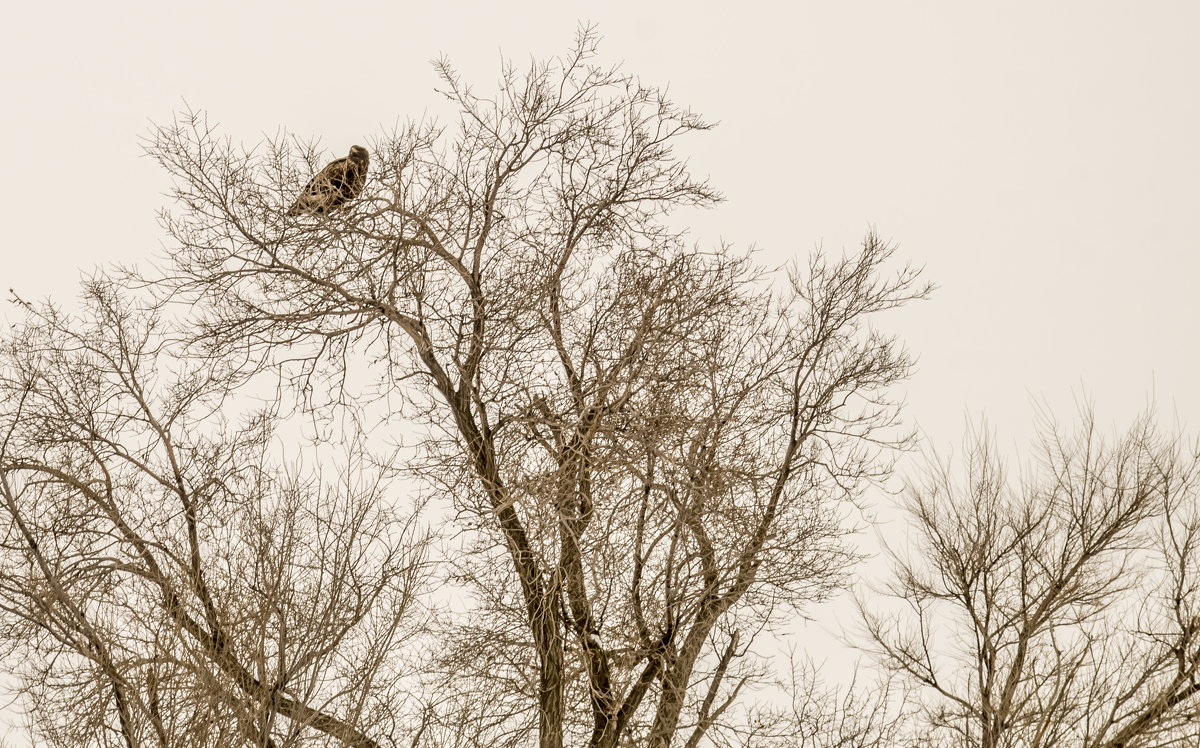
(334, 186)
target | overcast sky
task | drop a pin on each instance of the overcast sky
(1041, 159)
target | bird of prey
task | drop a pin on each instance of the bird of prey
(337, 184)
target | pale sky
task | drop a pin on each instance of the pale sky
(1041, 159)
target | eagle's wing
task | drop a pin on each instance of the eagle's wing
(326, 190)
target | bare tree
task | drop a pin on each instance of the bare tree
(817, 713)
(648, 448)
(1062, 611)
(165, 580)
(858, 715)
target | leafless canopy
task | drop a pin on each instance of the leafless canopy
(1063, 611)
(165, 579)
(647, 451)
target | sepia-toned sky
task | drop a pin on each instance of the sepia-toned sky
(1041, 159)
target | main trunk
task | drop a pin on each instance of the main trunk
(550, 686)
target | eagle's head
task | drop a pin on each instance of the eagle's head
(358, 153)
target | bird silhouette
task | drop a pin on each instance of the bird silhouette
(332, 187)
